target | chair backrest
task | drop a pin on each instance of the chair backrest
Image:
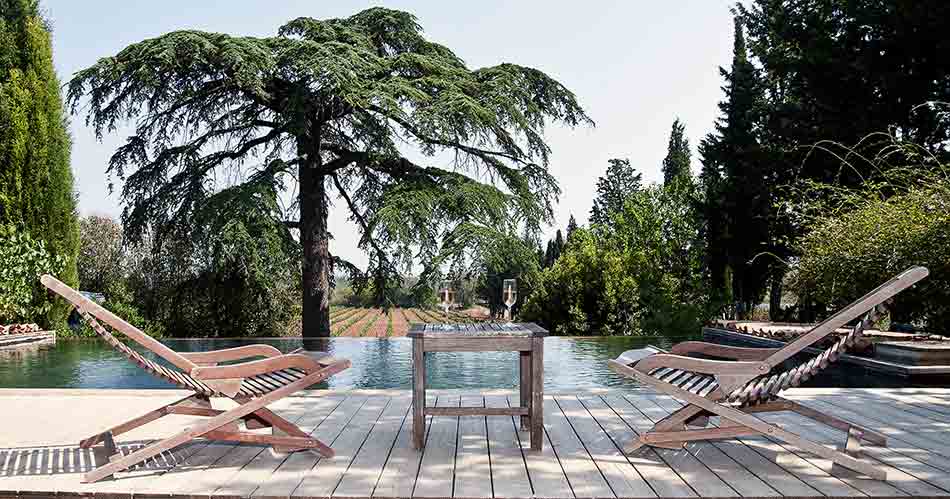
(847, 314)
(869, 308)
(87, 306)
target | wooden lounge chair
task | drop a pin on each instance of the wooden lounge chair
(752, 380)
(252, 384)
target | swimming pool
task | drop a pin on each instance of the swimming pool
(569, 363)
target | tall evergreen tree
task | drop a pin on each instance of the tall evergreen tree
(327, 104)
(613, 189)
(571, 226)
(735, 178)
(840, 70)
(36, 182)
(676, 162)
(558, 244)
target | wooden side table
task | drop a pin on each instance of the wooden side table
(525, 338)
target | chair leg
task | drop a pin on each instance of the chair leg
(734, 416)
(282, 427)
(679, 418)
(130, 425)
(214, 423)
(854, 431)
(633, 445)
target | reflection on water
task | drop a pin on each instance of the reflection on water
(569, 363)
(377, 363)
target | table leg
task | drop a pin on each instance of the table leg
(525, 387)
(418, 393)
(537, 393)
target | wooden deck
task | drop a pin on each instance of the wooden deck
(472, 457)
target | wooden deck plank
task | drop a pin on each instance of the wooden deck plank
(544, 468)
(582, 473)
(624, 479)
(692, 470)
(509, 471)
(934, 426)
(279, 474)
(929, 407)
(663, 480)
(741, 479)
(479, 457)
(30, 455)
(905, 440)
(870, 487)
(363, 474)
(924, 403)
(308, 414)
(324, 477)
(473, 476)
(775, 476)
(437, 471)
(804, 470)
(192, 471)
(907, 413)
(402, 467)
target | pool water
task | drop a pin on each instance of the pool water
(569, 363)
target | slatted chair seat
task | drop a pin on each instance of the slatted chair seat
(751, 380)
(262, 384)
(698, 383)
(252, 384)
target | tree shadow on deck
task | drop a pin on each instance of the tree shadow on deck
(59, 460)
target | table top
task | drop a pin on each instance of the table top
(478, 330)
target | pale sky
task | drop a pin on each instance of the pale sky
(634, 66)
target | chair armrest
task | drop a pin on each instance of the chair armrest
(212, 357)
(724, 351)
(256, 367)
(722, 367)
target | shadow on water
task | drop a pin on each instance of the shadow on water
(570, 363)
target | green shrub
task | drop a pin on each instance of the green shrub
(588, 291)
(641, 273)
(845, 255)
(120, 301)
(22, 297)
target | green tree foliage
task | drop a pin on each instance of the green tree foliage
(736, 179)
(102, 260)
(22, 298)
(676, 163)
(841, 70)
(553, 250)
(571, 227)
(639, 275)
(862, 237)
(236, 279)
(509, 258)
(325, 105)
(613, 188)
(36, 183)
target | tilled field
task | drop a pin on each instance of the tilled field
(376, 322)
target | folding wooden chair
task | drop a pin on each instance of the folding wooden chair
(252, 384)
(751, 382)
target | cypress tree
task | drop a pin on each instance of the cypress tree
(571, 226)
(735, 177)
(616, 185)
(558, 244)
(676, 162)
(36, 182)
